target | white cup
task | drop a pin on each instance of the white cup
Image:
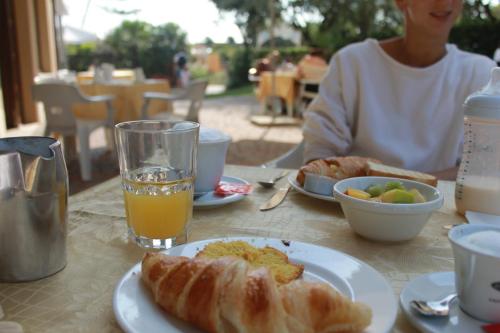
(212, 150)
(477, 269)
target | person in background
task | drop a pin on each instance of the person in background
(312, 66)
(310, 70)
(287, 65)
(181, 71)
(399, 100)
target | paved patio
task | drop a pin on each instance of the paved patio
(252, 145)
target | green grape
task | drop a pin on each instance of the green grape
(375, 190)
(394, 185)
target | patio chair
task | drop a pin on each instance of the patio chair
(292, 159)
(305, 96)
(195, 92)
(58, 99)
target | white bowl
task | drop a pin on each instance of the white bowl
(386, 221)
(319, 184)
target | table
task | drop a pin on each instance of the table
(79, 298)
(284, 87)
(128, 99)
(123, 74)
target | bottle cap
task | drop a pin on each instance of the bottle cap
(485, 103)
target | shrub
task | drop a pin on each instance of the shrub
(478, 36)
(238, 67)
(80, 57)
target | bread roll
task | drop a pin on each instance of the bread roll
(382, 170)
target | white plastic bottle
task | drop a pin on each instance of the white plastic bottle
(478, 181)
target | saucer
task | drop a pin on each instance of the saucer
(210, 199)
(435, 286)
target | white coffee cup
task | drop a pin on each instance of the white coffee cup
(212, 150)
(476, 248)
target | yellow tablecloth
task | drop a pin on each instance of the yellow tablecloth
(128, 99)
(284, 87)
(79, 298)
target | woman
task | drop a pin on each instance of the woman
(399, 100)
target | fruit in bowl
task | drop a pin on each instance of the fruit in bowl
(390, 192)
(383, 220)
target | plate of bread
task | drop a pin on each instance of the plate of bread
(317, 178)
(246, 284)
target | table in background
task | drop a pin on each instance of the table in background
(128, 99)
(79, 298)
(118, 74)
(284, 87)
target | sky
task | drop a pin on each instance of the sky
(198, 18)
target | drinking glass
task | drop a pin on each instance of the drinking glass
(157, 166)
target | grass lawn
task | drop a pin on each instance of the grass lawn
(240, 91)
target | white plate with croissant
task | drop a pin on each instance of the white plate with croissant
(316, 178)
(299, 188)
(327, 290)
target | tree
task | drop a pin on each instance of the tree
(139, 44)
(208, 42)
(128, 41)
(344, 21)
(251, 16)
(478, 9)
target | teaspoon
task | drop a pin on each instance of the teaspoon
(439, 308)
(270, 183)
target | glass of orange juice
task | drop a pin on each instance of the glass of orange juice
(157, 167)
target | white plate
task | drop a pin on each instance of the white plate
(432, 287)
(209, 199)
(296, 186)
(136, 311)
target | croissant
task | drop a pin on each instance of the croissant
(336, 167)
(226, 295)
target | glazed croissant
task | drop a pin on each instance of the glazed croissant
(336, 167)
(226, 295)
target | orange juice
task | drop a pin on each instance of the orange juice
(158, 210)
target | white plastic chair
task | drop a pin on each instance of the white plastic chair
(57, 99)
(305, 96)
(292, 159)
(195, 92)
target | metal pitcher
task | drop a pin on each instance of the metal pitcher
(33, 208)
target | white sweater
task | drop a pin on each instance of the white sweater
(371, 105)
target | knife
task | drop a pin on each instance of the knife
(276, 199)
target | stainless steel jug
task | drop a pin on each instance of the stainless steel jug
(33, 208)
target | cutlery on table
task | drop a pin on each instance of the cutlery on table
(451, 226)
(270, 183)
(439, 308)
(276, 199)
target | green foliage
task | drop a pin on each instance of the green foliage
(134, 44)
(251, 16)
(198, 72)
(294, 54)
(279, 42)
(238, 68)
(344, 22)
(80, 57)
(243, 90)
(478, 36)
